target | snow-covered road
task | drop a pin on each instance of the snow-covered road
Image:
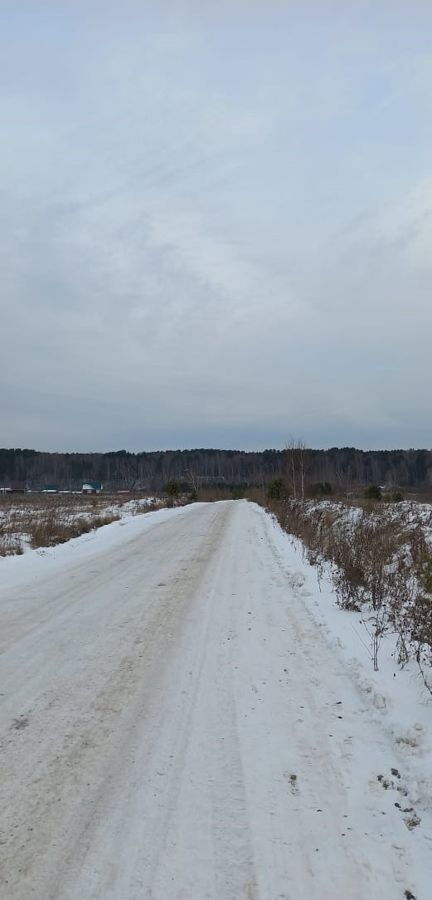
(175, 726)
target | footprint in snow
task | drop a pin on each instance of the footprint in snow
(410, 817)
(293, 782)
(21, 722)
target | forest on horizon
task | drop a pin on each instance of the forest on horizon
(342, 468)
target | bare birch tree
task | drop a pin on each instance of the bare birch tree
(296, 464)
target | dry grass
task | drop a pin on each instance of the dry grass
(53, 529)
(379, 557)
(44, 520)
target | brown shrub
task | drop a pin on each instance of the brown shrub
(379, 562)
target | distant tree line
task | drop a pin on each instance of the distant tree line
(341, 468)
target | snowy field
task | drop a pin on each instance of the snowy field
(186, 714)
(45, 519)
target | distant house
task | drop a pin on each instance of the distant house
(92, 487)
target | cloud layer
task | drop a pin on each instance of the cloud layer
(215, 226)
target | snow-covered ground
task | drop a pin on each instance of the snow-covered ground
(396, 697)
(44, 561)
(53, 518)
(185, 716)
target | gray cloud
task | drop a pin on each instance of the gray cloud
(215, 229)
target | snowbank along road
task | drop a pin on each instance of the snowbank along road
(174, 726)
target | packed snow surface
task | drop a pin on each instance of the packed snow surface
(184, 716)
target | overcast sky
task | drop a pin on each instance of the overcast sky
(215, 223)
